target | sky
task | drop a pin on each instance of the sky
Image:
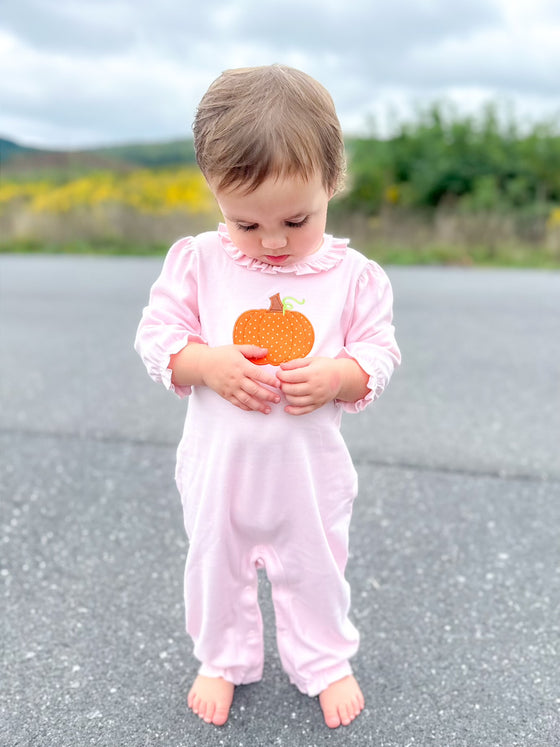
(85, 73)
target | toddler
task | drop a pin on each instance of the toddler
(273, 328)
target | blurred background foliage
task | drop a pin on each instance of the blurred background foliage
(444, 187)
(443, 158)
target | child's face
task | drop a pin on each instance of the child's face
(281, 222)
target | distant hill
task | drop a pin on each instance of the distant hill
(16, 159)
(9, 149)
(174, 153)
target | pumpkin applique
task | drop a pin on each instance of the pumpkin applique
(285, 333)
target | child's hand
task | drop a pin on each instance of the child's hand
(227, 370)
(309, 383)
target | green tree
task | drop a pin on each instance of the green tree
(443, 157)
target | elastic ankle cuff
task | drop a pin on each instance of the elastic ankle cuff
(235, 675)
(314, 686)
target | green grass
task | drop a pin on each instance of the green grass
(478, 256)
(108, 247)
(472, 256)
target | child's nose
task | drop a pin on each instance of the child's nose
(274, 241)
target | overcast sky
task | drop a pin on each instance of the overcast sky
(79, 73)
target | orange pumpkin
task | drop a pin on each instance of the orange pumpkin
(284, 333)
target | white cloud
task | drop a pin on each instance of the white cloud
(82, 72)
(503, 60)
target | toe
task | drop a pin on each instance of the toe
(195, 704)
(220, 715)
(356, 706)
(345, 717)
(332, 719)
(209, 712)
(190, 699)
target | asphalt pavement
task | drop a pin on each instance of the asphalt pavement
(455, 550)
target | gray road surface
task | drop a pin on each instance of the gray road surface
(455, 565)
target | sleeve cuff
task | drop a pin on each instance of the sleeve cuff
(372, 384)
(166, 373)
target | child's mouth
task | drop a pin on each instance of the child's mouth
(276, 259)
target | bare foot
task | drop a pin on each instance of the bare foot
(210, 698)
(341, 702)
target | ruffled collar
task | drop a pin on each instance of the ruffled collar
(332, 252)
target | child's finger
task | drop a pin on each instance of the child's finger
(257, 392)
(297, 410)
(246, 401)
(296, 363)
(259, 376)
(252, 351)
(234, 401)
(293, 376)
(296, 389)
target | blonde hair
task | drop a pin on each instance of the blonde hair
(270, 121)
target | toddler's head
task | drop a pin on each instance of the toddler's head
(274, 121)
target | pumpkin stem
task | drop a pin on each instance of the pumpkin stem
(276, 303)
(282, 304)
(288, 306)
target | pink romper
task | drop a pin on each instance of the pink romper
(273, 491)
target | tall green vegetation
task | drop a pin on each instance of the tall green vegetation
(484, 163)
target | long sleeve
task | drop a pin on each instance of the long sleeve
(171, 321)
(370, 339)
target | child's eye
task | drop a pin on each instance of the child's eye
(247, 227)
(297, 224)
